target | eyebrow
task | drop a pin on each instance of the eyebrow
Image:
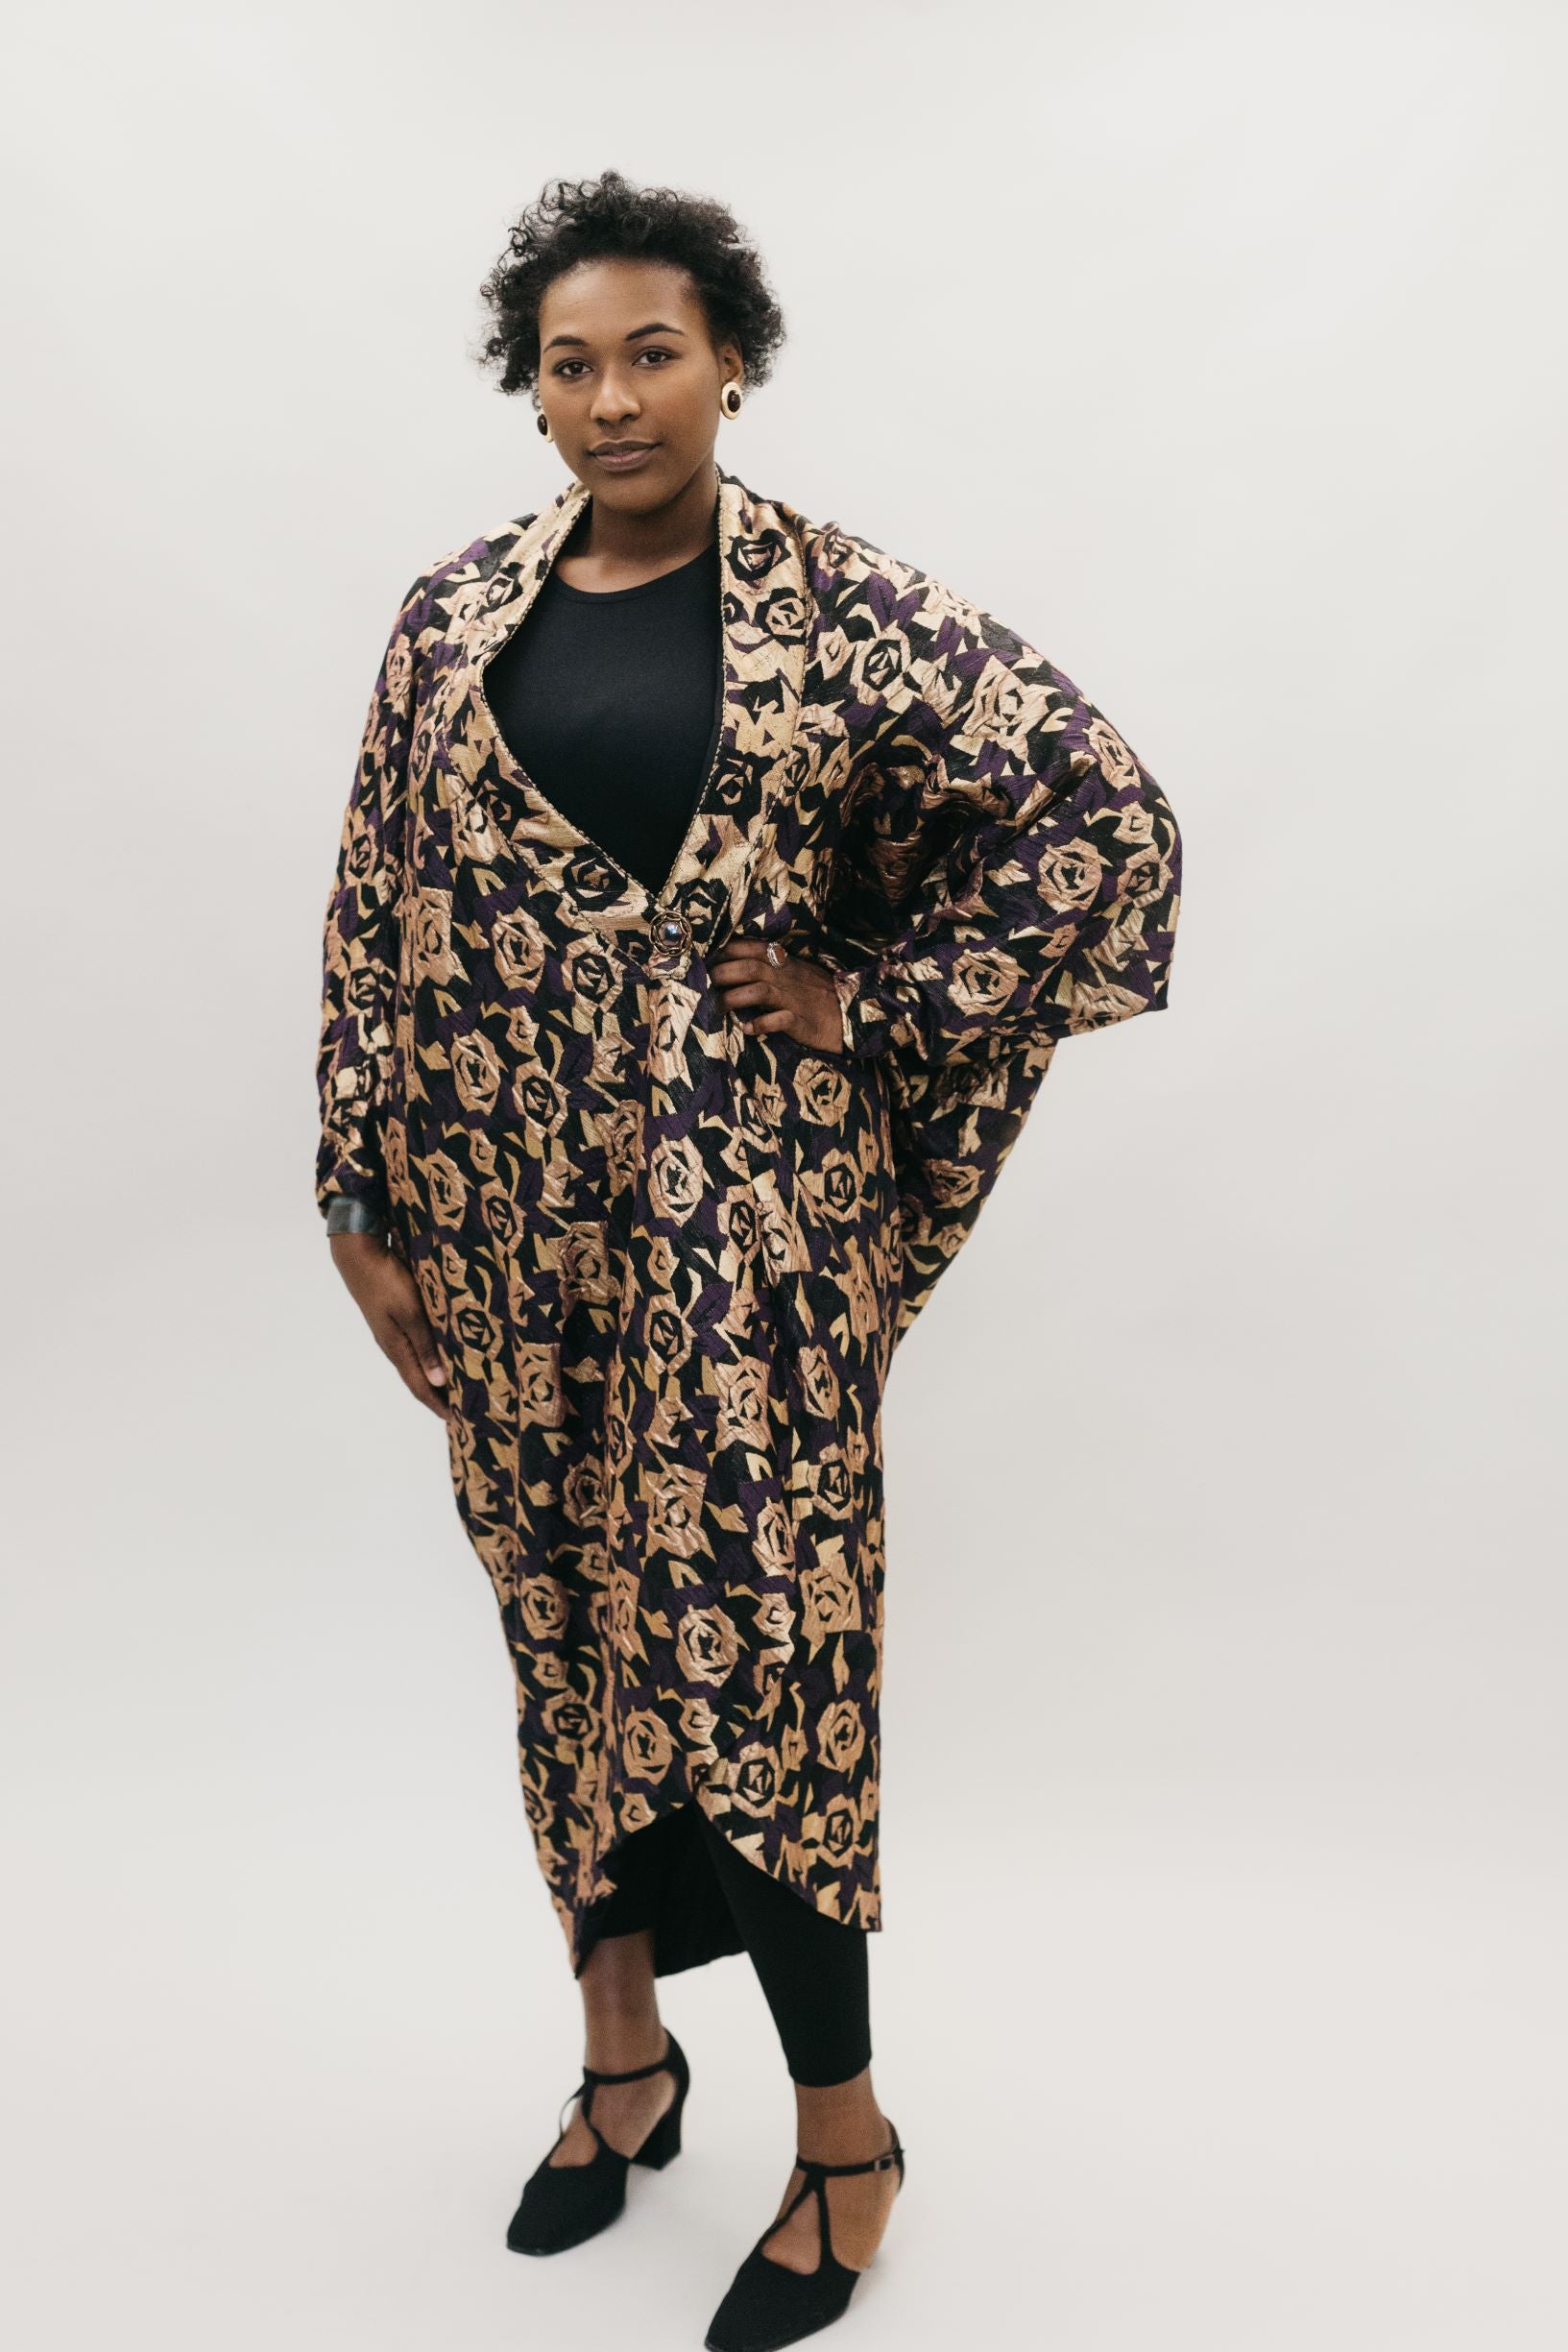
(656, 327)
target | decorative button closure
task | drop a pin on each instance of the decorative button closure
(672, 931)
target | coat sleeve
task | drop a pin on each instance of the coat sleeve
(360, 945)
(1013, 864)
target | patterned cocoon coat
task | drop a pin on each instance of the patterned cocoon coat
(668, 1262)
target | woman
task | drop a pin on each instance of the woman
(713, 891)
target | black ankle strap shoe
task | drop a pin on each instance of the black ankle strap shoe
(563, 2204)
(768, 2305)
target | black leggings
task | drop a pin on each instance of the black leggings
(813, 1969)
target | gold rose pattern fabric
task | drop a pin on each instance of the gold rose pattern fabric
(670, 1262)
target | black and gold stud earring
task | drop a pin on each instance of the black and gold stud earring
(543, 424)
(729, 399)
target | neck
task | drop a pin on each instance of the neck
(684, 525)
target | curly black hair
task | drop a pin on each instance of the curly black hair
(589, 220)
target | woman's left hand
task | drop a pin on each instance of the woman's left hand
(792, 993)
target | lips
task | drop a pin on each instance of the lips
(621, 461)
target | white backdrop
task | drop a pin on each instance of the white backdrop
(1218, 2000)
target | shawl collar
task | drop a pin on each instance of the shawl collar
(765, 610)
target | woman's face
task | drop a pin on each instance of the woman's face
(624, 355)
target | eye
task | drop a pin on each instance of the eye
(653, 350)
(562, 365)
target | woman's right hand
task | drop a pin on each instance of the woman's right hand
(387, 1296)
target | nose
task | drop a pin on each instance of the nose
(615, 399)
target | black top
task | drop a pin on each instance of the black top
(610, 701)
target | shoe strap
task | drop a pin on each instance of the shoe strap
(817, 2175)
(811, 2168)
(585, 2093)
(592, 2077)
(633, 2073)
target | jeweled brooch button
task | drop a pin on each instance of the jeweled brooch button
(673, 931)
